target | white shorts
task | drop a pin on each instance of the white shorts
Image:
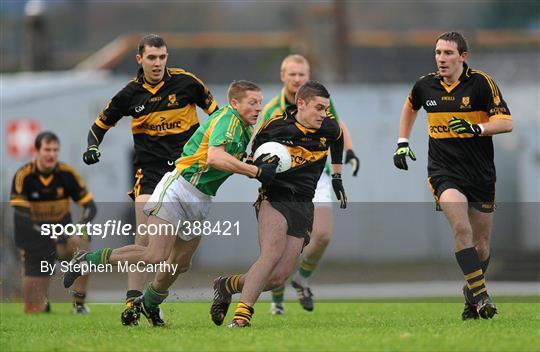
(323, 192)
(177, 201)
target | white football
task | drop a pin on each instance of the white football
(277, 149)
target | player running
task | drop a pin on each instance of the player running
(162, 102)
(213, 153)
(295, 71)
(464, 109)
(285, 207)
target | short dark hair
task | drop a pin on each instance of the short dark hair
(151, 40)
(457, 38)
(46, 136)
(237, 89)
(311, 89)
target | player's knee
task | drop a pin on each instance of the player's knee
(462, 230)
(154, 257)
(322, 239)
(276, 281)
(183, 266)
(482, 247)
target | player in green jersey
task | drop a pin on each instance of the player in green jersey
(212, 154)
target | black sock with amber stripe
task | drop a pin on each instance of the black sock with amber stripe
(243, 312)
(233, 284)
(471, 266)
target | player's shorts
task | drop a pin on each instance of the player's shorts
(178, 202)
(298, 213)
(479, 198)
(148, 175)
(323, 192)
(35, 249)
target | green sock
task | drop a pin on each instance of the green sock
(101, 256)
(306, 268)
(152, 298)
(277, 294)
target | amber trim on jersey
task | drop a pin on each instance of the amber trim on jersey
(100, 124)
(495, 93)
(304, 129)
(500, 117)
(161, 120)
(451, 87)
(46, 180)
(21, 175)
(153, 89)
(19, 202)
(88, 197)
(438, 123)
(67, 168)
(301, 155)
(49, 210)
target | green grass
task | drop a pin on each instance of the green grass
(332, 326)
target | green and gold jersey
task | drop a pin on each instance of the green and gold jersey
(474, 97)
(223, 127)
(278, 105)
(164, 115)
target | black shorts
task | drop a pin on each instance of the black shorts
(298, 213)
(479, 198)
(34, 249)
(148, 175)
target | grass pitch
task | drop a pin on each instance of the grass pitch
(349, 326)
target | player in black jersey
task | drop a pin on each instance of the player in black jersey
(162, 102)
(464, 109)
(40, 195)
(285, 208)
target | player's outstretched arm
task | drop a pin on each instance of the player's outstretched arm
(406, 122)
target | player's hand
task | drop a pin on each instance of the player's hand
(400, 155)
(337, 185)
(91, 155)
(463, 126)
(351, 158)
(267, 165)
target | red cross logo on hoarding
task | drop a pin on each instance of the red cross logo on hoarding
(21, 134)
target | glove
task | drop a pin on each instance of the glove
(337, 185)
(400, 155)
(351, 158)
(267, 165)
(91, 155)
(463, 126)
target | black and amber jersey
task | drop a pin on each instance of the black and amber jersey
(308, 149)
(47, 196)
(474, 97)
(164, 115)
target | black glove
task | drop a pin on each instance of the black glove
(91, 155)
(351, 158)
(400, 155)
(337, 185)
(267, 165)
(463, 126)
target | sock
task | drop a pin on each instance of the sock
(307, 267)
(233, 284)
(132, 294)
(243, 312)
(484, 265)
(78, 297)
(152, 298)
(278, 293)
(101, 256)
(472, 270)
